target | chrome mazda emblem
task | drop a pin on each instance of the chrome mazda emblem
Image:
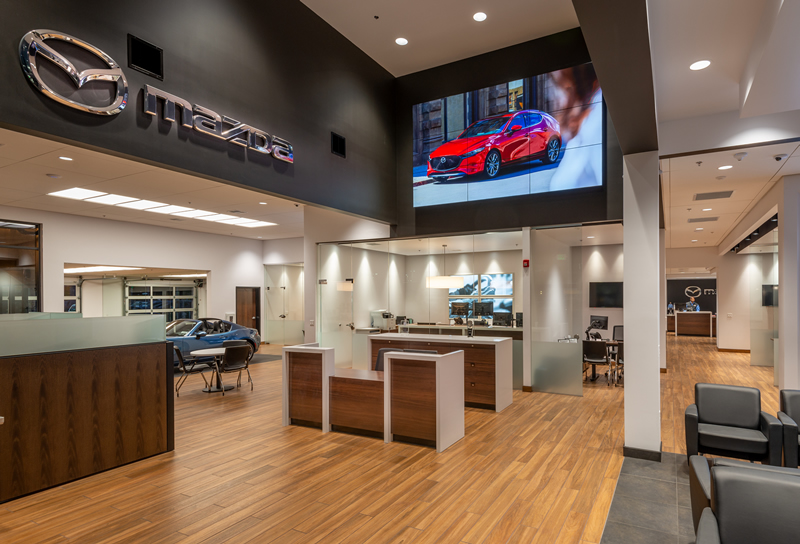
(33, 46)
(693, 291)
(442, 160)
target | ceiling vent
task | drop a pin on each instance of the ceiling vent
(713, 196)
(236, 211)
(702, 219)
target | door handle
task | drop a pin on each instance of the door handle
(282, 316)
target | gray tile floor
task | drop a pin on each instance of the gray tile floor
(651, 503)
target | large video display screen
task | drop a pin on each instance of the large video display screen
(528, 136)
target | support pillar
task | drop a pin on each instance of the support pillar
(642, 275)
(789, 284)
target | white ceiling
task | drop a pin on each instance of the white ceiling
(750, 179)
(26, 160)
(442, 31)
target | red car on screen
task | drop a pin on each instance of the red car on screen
(490, 143)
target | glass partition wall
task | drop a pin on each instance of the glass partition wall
(20, 267)
(283, 296)
(763, 279)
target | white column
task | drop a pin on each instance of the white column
(789, 284)
(642, 277)
(662, 306)
(527, 293)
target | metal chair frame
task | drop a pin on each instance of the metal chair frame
(195, 368)
(221, 368)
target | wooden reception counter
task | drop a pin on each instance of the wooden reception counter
(487, 363)
(419, 398)
(695, 324)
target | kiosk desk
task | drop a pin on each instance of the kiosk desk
(695, 324)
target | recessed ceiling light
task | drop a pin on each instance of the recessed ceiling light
(706, 209)
(693, 241)
(65, 158)
(237, 221)
(84, 269)
(258, 224)
(76, 193)
(589, 237)
(480, 16)
(169, 209)
(726, 167)
(217, 217)
(401, 41)
(194, 213)
(111, 199)
(54, 176)
(700, 65)
(141, 204)
(263, 203)
(699, 228)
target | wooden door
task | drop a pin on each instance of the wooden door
(248, 307)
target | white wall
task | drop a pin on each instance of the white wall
(283, 251)
(66, 238)
(327, 226)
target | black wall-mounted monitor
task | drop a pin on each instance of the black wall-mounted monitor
(607, 294)
(599, 322)
(769, 295)
(484, 309)
(502, 319)
(459, 309)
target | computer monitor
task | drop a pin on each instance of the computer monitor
(484, 309)
(519, 319)
(502, 319)
(599, 322)
(400, 319)
(459, 309)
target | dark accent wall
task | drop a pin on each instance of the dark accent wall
(276, 66)
(531, 58)
(676, 293)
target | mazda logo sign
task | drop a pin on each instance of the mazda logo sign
(693, 291)
(33, 47)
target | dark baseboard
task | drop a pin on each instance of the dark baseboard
(725, 350)
(527, 388)
(647, 455)
(663, 370)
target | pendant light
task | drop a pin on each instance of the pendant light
(444, 281)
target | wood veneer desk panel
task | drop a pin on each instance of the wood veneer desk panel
(72, 414)
(356, 401)
(306, 369)
(488, 362)
(670, 323)
(423, 398)
(694, 324)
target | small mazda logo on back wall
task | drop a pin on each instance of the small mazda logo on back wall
(32, 47)
(693, 291)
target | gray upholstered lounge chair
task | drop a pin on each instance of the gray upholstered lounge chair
(726, 420)
(790, 416)
(750, 506)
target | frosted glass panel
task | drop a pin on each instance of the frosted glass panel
(557, 367)
(39, 315)
(22, 337)
(763, 270)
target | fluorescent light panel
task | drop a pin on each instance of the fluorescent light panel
(185, 276)
(194, 213)
(237, 221)
(217, 217)
(76, 193)
(87, 269)
(111, 200)
(170, 209)
(258, 224)
(141, 204)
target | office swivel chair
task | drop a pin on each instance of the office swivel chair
(789, 417)
(726, 420)
(595, 353)
(618, 336)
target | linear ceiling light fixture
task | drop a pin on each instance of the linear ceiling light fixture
(89, 269)
(444, 281)
(111, 200)
(170, 209)
(141, 204)
(76, 193)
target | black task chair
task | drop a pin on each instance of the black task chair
(619, 364)
(187, 369)
(231, 343)
(790, 416)
(617, 334)
(726, 420)
(235, 360)
(595, 352)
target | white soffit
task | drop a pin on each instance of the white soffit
(682, 178)
(30, 168)
(443, 31)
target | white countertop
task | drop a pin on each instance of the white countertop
(442, 338)
(460, 327)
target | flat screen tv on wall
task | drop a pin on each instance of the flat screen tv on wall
(607, 294)
(533, 135)
(769, 295)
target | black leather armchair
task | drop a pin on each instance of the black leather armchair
(750, 506)
(789, 416)
(726, 420)
(700, 479)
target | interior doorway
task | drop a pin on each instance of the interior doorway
(284, 304)
(248, 307)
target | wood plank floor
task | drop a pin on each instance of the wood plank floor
(542, 471)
